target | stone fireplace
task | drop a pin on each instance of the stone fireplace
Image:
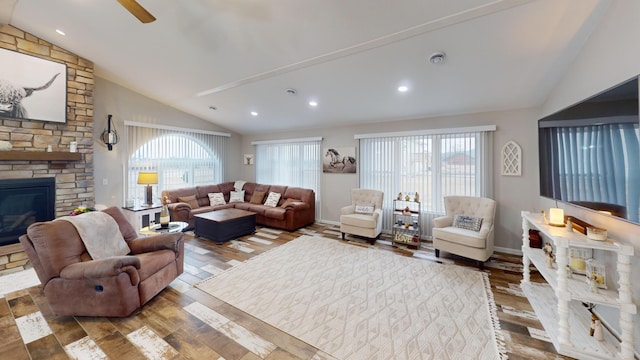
(28, 159)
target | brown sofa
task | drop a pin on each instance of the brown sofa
(290, 215)
(75, 284)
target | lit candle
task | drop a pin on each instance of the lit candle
(556, 217)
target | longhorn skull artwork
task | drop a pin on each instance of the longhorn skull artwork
(11, 96)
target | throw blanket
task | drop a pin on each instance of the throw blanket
(99, 233)
(238, 185)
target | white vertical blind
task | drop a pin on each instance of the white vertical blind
(433, 165)
(291, 163)
(182, 158)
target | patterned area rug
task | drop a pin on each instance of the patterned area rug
(365, 303)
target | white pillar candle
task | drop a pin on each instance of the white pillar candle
(556, 217)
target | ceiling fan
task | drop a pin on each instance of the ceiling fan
(137, 10)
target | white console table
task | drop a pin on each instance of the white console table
(141, 216)
(558, 304)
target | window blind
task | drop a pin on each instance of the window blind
(292, 163)
(182, 158)
(433, 165)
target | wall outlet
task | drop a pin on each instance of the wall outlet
(105, 181)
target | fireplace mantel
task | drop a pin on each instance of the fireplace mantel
(39, 155)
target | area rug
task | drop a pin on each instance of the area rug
(365, 303)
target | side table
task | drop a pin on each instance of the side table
(141, 216)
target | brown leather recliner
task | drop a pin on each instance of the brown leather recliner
(75, 284)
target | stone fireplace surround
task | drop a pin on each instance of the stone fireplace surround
(73, 178)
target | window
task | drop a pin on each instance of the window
(294, 162)
(181, 158)
(433, 164)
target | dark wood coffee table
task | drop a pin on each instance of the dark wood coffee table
(226, 224)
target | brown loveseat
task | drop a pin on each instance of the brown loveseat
(295, 209)
(75, 284)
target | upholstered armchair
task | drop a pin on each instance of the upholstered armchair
(467, 228)
(76, 284)
(364, 216)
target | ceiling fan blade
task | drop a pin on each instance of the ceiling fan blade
(137, 10)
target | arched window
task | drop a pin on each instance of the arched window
(181, 159)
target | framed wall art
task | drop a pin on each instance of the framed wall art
(511, 159)
(339, 160)
(32, 88)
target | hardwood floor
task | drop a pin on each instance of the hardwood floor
(163, 329)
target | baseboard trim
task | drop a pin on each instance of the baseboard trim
(335, 223)
(508, 250)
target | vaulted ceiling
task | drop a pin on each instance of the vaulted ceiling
(350, 56)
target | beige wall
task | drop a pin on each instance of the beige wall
(520, 126)
(126, 105)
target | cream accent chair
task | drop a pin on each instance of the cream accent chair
(369, 226)
(477, 245)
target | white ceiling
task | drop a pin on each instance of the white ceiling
(349, 55)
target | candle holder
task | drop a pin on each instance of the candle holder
(597, 234)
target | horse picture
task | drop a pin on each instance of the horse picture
(339, 160)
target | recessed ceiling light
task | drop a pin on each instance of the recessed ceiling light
(60, 32)
(403, 88)
(254, 113)
(313, 103)
(437, 57)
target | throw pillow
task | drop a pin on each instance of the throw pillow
(216, 199)
(236, 196)
(289, 201)
(191, 200)
(257, 197)
(467, 222)
(366, 209)
(272, 199)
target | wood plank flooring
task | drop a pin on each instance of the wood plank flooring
(183, 322)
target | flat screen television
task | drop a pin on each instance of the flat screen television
(590, 153)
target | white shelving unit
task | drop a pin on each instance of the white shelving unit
(558, 304)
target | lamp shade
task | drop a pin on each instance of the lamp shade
(556, 217)
(146, 178)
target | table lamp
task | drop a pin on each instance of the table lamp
(148, 178)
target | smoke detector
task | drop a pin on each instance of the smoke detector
(437, 57)
(291, 92)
